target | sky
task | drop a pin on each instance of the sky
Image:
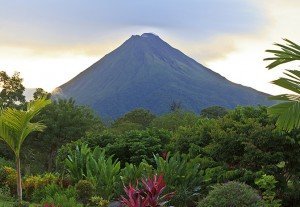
(51, 41)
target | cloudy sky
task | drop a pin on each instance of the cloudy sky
(51, 41)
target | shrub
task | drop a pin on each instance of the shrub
(232, 194)
(182, 175)
(8, 177)
(267, 183)
(85, 190)
(5, 194)
(22, 204)
(138, 145)
(99, 201)
(31, 183)
(131, 173)
(149, 195)
(95, 166)
(50, 191)
(61, 200)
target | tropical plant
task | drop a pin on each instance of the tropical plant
(76, 162)
(84, 163)
(288, 110)
(33, 182)
(15, 126)
(85, 190)
(99, 201)
(182, 175)
(104, 172)
(61, 200)
(232, 194)
(267, 184)
(40, 194)
(131, 173)
(150, 195)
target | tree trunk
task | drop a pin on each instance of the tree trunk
(19, 179)
(51, 159)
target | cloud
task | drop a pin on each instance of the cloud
(57, 23)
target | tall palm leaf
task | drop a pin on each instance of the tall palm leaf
(288, 111)
(15, 126)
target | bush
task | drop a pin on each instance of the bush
(131, 173)
(183, 176)
(8, 177)
(50, 191)
(61, 200)
(5, 194)
(138, 145)
(85, 190)
(32, 183)
(22, 204)
(95, 166)
(267, 184)
(232, 194)
(151, 193)
(99, 201)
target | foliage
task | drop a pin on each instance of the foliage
(233, 194)
(40, 93)
(243, 145)
(12, 90)
(267, 183)
(65, 122)
(76, 162)
(141, 117)
(149, 195)
(33, 182)
(15, 126)
(5, 162)
(99, 201)
(174, 120)
(135, 146)
(94, 166)
(213, 112)
(288, 111)
(85, 190)
(50, 191)
(182, 175)
(61, 200)
(131, 173)
(8, 177)
(5, 194)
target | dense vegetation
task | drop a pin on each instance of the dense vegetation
(220, 157)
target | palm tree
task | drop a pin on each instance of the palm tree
(15, 126)
(288, 110)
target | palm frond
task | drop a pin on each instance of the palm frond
(288, 115)
(16, 125)
(286, 53)
(286, 97)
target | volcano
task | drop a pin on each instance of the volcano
(146, 72)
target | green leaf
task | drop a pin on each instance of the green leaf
(288, 115)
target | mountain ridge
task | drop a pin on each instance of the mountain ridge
(147, 72)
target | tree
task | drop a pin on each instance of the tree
(39, 93)
(173, 120)
(140, 117)
(214, 112)
(175, 106)
(15, 126)
(65, 122)
(288, 110)
(11, 94)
